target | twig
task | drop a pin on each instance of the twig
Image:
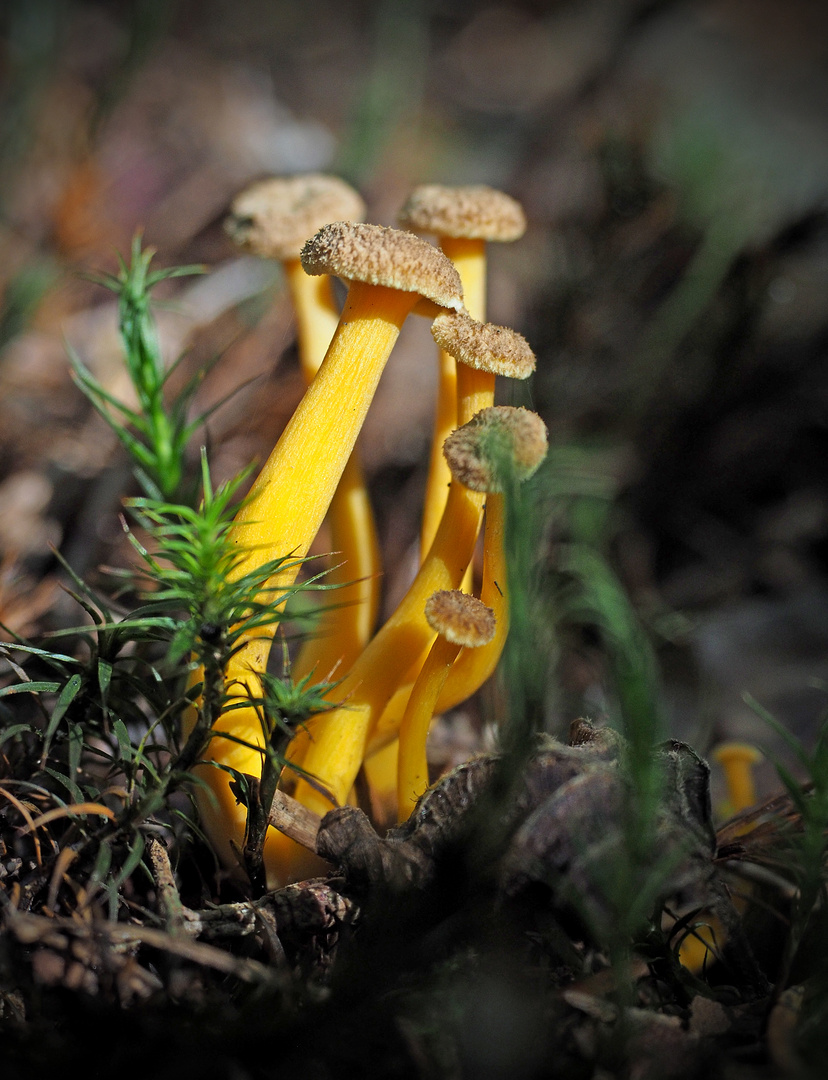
(289, 816)
(31, 929)
(169, 900)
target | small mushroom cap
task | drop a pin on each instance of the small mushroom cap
(484, 346)
(460, 618)
(494, 439)
(475, 212)
(737, 751)
(381, 256)
(274, 217)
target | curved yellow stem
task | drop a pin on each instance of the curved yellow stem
(337, 739)
(473, 666)
(412, 768)
(381, 776)
(345, 627)
(282, 515)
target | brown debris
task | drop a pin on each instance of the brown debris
(289, 816)
(311, 917)
(566, 811)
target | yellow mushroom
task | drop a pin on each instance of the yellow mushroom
(388, 270)
(463, 219)
(460, 622)
(521, 435)
(336, 741)
(737, 759)
(482, 351)
(273, 218)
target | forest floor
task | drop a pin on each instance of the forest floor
(672, 159)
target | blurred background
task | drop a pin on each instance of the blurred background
(672, 158)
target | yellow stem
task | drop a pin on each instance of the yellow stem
(469, 257)
(740, 785)
(412, 769)
(473, 666)
(381, 775)
(344, 628)
(475, 392)
(439, 474)
(285, 509)
(337, 739)
(737, 761)
(316, 315)
(293, 491)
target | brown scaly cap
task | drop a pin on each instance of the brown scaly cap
(484, 346)
(477, 451)
(381, 256)
(475, 212)
(274, 217)
(460, 618)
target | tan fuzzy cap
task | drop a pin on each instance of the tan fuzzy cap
(484, 346)
(381, 256)
(460, 618)
(274, 217)
(474, 212)
(475, 452)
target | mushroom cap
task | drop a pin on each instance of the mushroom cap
(460, 618)
(496, 437)
(737, 751)
(274, 217)
(484, 346)
(378, 255)
(474, 212)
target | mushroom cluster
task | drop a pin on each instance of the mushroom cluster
(441, 642)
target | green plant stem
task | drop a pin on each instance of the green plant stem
(209, 710)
